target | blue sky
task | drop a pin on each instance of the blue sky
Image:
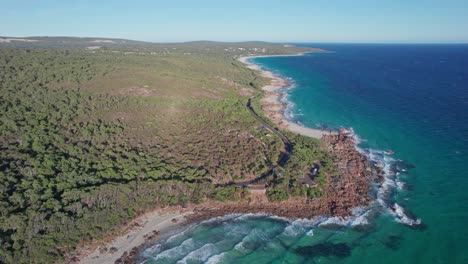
(240, 20)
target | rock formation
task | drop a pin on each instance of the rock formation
(350, 187)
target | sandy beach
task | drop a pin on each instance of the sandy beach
(272, 104)
(135, 234)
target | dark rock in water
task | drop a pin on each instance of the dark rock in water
(394, 168)
(401, 166)
(326, 249)
(393, 242)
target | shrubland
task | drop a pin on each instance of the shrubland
(89, 139)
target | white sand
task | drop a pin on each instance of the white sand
(272, 105)
(134, 237)
(103, 41)
(8, 40)
(93, 47)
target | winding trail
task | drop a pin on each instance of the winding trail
(283, 156)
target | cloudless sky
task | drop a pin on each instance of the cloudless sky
(240, 20)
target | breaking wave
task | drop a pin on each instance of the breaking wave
(392, 181)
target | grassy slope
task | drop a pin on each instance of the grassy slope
(89, 139)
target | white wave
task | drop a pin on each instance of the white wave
(289, 109)
(357, 140)
(334, 221)
(177, 252)
(224, 218)
(216, 259)
(200, 255)
(307, 223)
(242, 217)
(240, 247)
(255, 237)
(361, 219)
(359, 210)
(180, 235)
(391, 182)
(252, 216)
(400, 185)
(294, 230)
(279, 218)
(310, 233)
(235, 230)
(151, 251)
(400, 216)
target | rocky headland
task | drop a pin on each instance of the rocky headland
(346, 189)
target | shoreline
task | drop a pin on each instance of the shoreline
(132, 236)
(272, 103)
(135, 236)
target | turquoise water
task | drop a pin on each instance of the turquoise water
(411, 99)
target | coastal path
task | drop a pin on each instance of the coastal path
(283, 156)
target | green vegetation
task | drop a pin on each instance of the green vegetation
(91, 138)
(306, 152)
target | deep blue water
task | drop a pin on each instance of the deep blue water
(411, 99)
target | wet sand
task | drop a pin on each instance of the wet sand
(134, 234)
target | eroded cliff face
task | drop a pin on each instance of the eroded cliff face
(349, 187)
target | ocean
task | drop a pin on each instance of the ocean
(407, 105)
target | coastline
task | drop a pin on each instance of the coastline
(133, 237)
(130, 240)
(272, 103)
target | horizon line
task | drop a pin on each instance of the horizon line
(241, 41)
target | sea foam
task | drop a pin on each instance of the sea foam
(391, 183)
(200, 255)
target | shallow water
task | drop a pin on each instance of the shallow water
(411, 99)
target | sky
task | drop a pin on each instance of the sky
(348, 21)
